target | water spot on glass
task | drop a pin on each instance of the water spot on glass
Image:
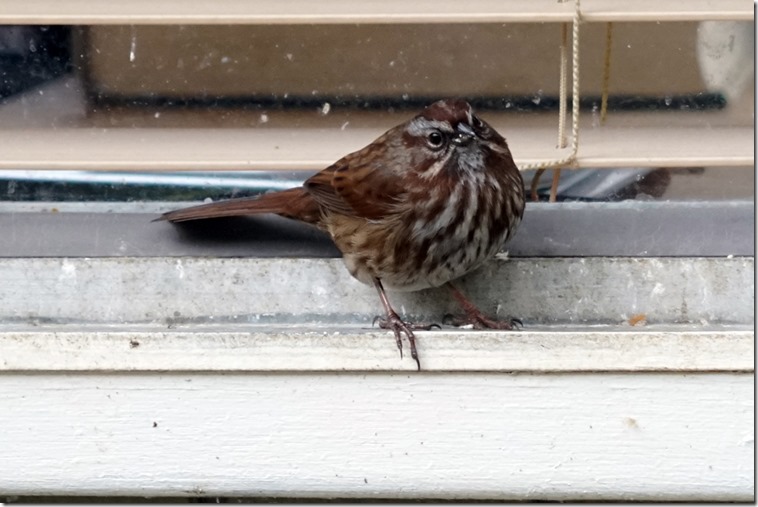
(326, 108)
(133, 47)
(263, 118)
(344, 125)
(595, 115)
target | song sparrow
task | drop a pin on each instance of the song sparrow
(427, 202)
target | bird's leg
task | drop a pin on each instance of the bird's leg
(475, 317)
(396, 324)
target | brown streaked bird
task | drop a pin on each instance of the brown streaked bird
(427, 202)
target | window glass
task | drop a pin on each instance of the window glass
(680, 76)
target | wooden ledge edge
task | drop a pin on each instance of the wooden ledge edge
(297, 350)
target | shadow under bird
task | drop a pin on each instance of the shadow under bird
(427, 202)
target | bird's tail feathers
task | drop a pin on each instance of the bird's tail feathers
(292, 203)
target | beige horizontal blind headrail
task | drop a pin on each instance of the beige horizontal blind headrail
(315, 148)
(348, 11)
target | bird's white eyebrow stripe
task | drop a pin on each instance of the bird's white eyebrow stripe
(420, 125)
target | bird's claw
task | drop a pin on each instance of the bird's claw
(479, 321)
(516, 323)
(415, 326)
(396, 324)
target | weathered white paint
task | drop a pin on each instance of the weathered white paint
(114, 381)
(500, 436)
(334, 348)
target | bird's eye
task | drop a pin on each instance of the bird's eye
(435, 139)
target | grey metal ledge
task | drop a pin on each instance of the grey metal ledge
(622, 229)
(192, 291)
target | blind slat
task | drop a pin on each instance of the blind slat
(314, 148)
(344, 11)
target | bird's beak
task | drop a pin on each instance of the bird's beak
(464, 134)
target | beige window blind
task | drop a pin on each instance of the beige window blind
(346, 11)
(92, 142)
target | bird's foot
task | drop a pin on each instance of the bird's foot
(474, 317)
(480, 321)
(415, 326)
(396, 324)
